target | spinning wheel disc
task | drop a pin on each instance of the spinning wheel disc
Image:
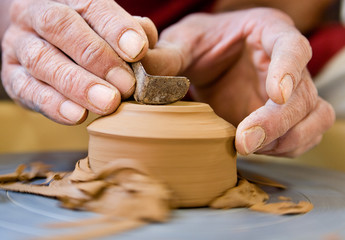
(24, 215)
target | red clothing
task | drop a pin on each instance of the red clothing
(165, 12)
(326, 43)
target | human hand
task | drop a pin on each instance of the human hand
(250, 66)
(64, 57)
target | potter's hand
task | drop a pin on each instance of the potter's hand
(250, 66)
(64, 57)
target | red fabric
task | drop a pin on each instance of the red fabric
(325, 42)
(164, 12)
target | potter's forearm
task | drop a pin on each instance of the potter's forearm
(4, 16)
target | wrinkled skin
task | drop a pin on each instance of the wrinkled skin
(249, 65)
(98, 37)
(236, 62)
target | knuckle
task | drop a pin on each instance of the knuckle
(299, 47)
(54, 20)
(16, 84)
(19, 86)
(38, 96)
(296, 138)
(305, 47)
(28, 91)
(92, 53)
(327, 114)
(331, 115)
(286, 119)
(330, 111)
(83, 6)
(309, 96)
(7, 39)
(311, 99)
(66, 79)
(106, 21)
(43, 98)
(32, 53)
(299, 151)
(107, 24)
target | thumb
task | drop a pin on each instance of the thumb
(176, 48)
(165, 60)
(149, 28)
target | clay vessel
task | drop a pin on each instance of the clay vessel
(185, 145)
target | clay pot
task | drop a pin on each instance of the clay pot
(185, 145)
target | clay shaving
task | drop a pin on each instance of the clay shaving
(127, 197)
(283, 207)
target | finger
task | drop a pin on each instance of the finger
(272, 120)
(165, 60)
(46, 63)
(304, 147)
(23, 89)
(290, 52)
(115, 25)
(304, 135)
(195, 43)
(174, 50)
(65, 29)
(150, 30)
(34, 94)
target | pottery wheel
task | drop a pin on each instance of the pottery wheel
(23, 216)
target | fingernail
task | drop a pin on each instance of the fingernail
(286, 87)
(72, 111)
(101, 96)
(123, 80)
(131, 43)
(253, 139)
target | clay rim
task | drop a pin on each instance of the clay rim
(180, 106)
(140, 125)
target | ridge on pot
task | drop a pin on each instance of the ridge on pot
(185, 145)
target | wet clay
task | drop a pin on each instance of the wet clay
(144, 160)
(185, 145)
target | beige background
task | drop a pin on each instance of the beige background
(22, 130)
